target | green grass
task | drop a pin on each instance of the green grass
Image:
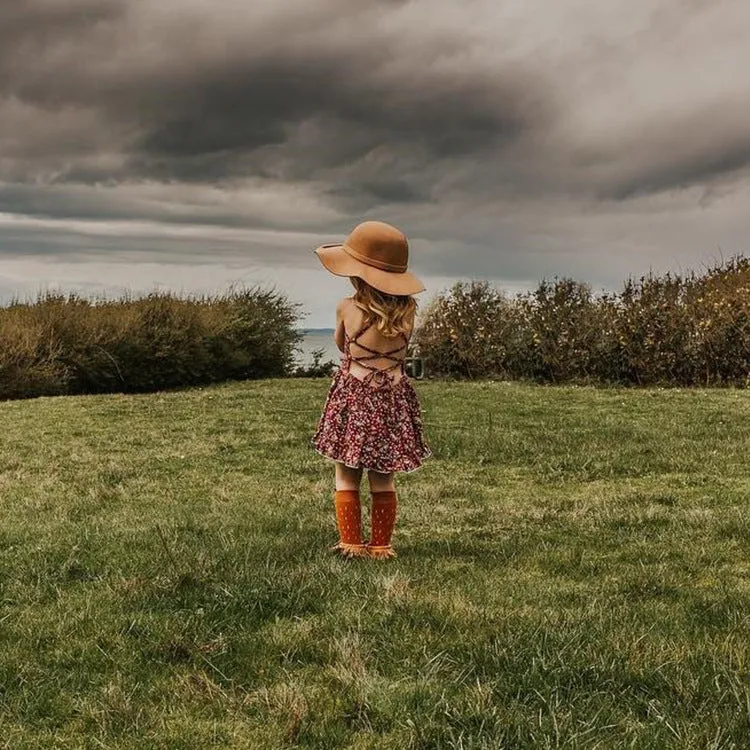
(573, 572)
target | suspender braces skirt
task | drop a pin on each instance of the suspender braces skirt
(374, 422)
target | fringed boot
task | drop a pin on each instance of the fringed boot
(349, 522)
(383, 521)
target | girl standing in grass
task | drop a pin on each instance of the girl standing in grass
(371, 419)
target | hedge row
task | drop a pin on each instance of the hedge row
(667, 330)
(67, 345)
(658, 330)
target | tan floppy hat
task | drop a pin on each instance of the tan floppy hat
(377, 253)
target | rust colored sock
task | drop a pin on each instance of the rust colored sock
(349, 522)
(383, 520)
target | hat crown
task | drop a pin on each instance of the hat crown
(379, 245)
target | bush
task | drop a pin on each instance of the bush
(668, 330)
(66, 344)
(318, 368)
(560, 322)
(465, 332)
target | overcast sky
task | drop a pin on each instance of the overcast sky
(191, 145)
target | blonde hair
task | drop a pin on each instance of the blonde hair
(392, 314)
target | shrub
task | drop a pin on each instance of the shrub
(318, 368)
(66, 344)
(721, 335)
(561, 323)
(669, 330)
(465, 331)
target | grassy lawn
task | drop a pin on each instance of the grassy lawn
(573, 572)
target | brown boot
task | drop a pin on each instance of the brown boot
(383, 521)
(349, 521)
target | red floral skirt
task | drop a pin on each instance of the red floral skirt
(372, 428)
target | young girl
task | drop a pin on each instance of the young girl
(371, 419)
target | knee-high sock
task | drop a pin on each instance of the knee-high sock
(349, 521)
(383, 520)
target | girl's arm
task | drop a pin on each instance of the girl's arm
(339, 335)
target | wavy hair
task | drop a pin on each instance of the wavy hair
(392, 314)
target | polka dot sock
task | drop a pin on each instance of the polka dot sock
(383, 520)
(349, 522)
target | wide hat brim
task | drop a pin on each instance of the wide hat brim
(336, 259)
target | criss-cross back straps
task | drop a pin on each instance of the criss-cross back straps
(381, 375)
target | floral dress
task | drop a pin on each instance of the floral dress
(375, 422)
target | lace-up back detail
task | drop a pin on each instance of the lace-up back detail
(377, 376)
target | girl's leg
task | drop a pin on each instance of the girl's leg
(383, 493)
(381, 482)
(347, 478)
(349, 512)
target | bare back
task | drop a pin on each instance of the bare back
(371, 341)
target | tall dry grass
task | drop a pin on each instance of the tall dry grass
(65, 344)
(658, 330)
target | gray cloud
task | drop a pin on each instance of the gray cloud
(300, 97)
(510, 139)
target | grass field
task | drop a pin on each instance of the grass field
(573, 572)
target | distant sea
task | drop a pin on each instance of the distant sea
(317, 338)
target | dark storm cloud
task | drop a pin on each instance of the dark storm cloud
(510, 139)
(701, 166)
(305, 108)
(39, 23)
(318, 118)
(43, 42)
(206, 93)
